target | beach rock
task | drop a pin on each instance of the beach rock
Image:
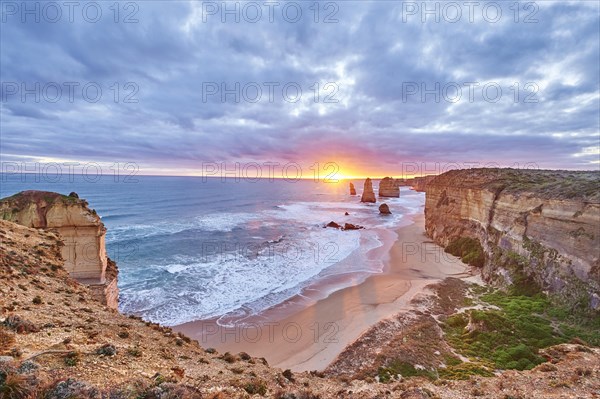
(346, 214)
(352, 189)
(368, 195)
(384, 209)
(333, 224)
(350, 226)
(388, 187)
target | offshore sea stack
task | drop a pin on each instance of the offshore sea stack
(538, 227)
(80, 229)
(388, 187)
(384, 209)
(368, 195)
(352, 189)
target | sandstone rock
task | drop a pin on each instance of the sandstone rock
(547, 220)
(388, 187)
(79, 227)
(384, 209)
(352, 189)
(350, 226)
(368, 195)
(333, 224)
(420, 183)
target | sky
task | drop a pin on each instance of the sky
(356, 88)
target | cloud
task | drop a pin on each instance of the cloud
(395, 80)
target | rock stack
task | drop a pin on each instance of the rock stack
(368, 195)
(384, 209)
(352, 189)
(81, 231)
(388, 187)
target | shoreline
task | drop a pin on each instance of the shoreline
(308, 332)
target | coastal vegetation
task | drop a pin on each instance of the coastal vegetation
(507, 330)
(492, 329)
(468, 249)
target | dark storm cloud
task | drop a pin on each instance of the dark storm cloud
(374, 54)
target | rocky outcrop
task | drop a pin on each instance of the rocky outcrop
(350, 226)
(352, 189)
(347, 226)
(388, 187)
(539, 228)
(420, 183)
(81, 230)
(384, 209)
(368, 195)
(333, 225)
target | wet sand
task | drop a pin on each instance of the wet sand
(309, 337)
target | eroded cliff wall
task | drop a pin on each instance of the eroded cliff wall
(536, 227)
(81, 230)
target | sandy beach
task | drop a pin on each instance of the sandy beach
(310, 337)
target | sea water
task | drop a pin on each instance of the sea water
(193, 248)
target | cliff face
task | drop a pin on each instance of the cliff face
(81, 230)
(388, 187)
(538, 227)
(420, 183)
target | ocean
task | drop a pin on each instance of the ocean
(193, 248)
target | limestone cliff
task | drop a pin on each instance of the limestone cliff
(368, 195)
(420, 183)
(81, 230)
(388, 187)
(535, 226)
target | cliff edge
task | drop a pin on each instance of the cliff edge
(81, 231)
(539, 228)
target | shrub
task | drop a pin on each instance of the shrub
(14, 386)
(21, 326)
(134, 351)
(229, 358)
(469, 250)
(72, 359)
(404, 369)
(37, 300)
(464, 371)
(256, 387)
(106, 350)
(71, 388)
